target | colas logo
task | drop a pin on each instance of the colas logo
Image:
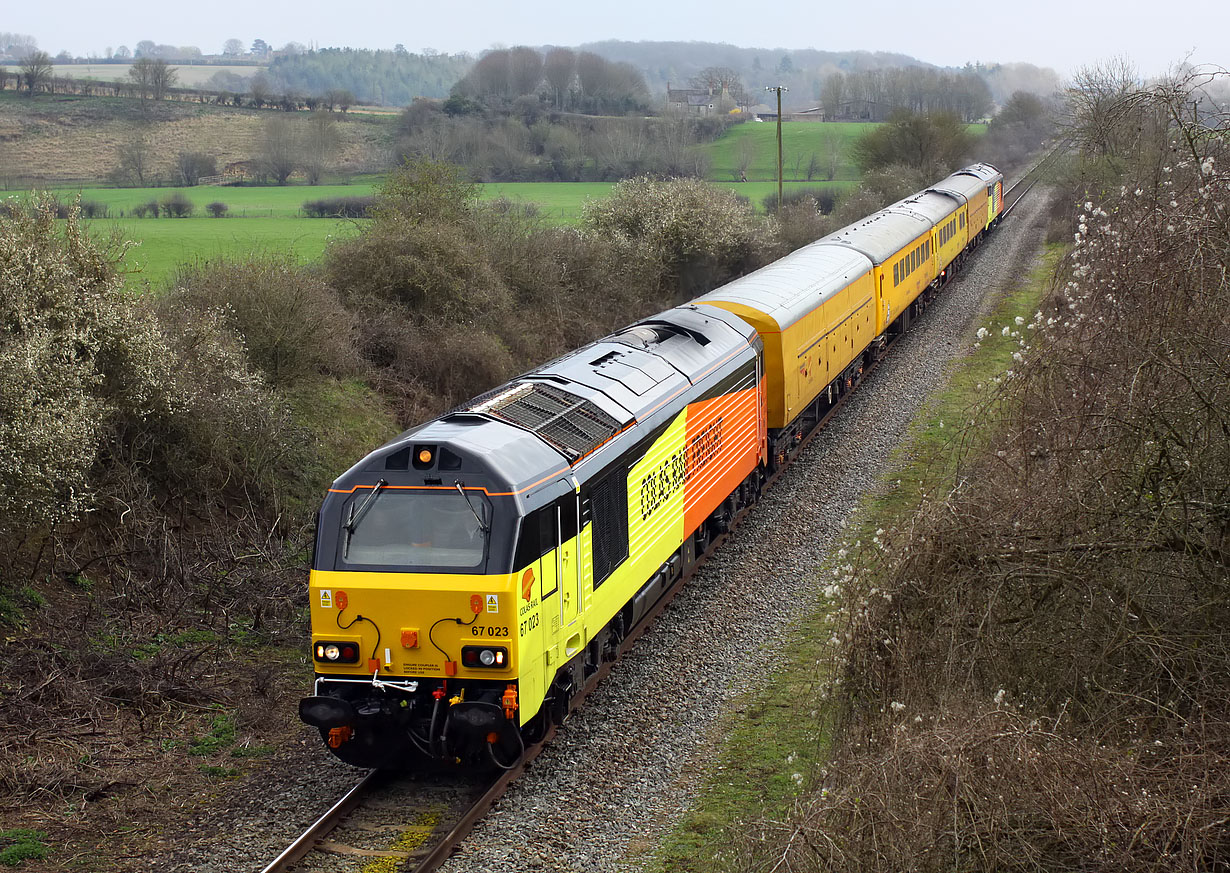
(527, 583)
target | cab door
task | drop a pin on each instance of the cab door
(568, 567)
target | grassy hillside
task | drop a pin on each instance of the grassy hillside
(65, 139)
(829, 142)
(756, 144)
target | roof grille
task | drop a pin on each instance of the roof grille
(572, 424)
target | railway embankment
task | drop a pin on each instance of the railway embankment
(1026, 654)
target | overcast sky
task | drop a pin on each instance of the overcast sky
(1062, 34)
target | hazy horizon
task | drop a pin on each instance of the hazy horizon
(1060, 35)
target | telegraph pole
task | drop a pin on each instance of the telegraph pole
(779, 89)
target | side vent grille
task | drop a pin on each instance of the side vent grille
(572, 424)
(609, 509)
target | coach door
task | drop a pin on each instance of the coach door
(568, 566)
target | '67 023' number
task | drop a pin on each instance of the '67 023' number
(479, 630)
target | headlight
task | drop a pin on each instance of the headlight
(492, 657)
(342, 652)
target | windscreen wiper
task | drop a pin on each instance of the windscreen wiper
(485, 528)
(364, 506)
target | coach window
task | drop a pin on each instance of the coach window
(896, 273)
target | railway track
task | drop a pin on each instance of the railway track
(386, 822)
(1032, 176)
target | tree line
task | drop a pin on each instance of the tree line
(154, 79)
(873, 95)
(378, 78)
(567, 80)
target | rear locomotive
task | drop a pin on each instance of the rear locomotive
(472, 575)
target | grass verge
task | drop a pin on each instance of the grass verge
(774, 737)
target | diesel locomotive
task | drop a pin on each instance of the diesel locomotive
(472, 574)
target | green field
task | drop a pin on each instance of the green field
(242, 201)
(800, 140)
(271, 218)
(557, 201)
(166, 244)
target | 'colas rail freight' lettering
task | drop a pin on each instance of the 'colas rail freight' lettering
(665, 479)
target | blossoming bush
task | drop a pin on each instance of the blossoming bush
(701, 236)
(147, 474)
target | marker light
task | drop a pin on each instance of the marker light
(425, 456)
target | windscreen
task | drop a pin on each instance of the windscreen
(416, 530)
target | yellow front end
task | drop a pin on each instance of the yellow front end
(416, 626)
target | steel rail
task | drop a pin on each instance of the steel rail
(306, 841)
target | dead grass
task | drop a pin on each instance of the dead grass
(76, 141)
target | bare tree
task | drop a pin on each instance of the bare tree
(813, 166)
(318, 146)
(232, 48)
(133, 160)
(339, 98)
(152, 77)
(721, 79)
(260, 92)
(830, 151)
(745, 155)
(280, 149)
(36, 70)
(141, 74)
(831, 90)
(560, 70)
(191, 166)
(524, 70)
(1100, 119)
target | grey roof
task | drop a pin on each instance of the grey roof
(932, 205)
(985, 172)
(790, 288)
(960, 185)
(510, 458)
(882, 235)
